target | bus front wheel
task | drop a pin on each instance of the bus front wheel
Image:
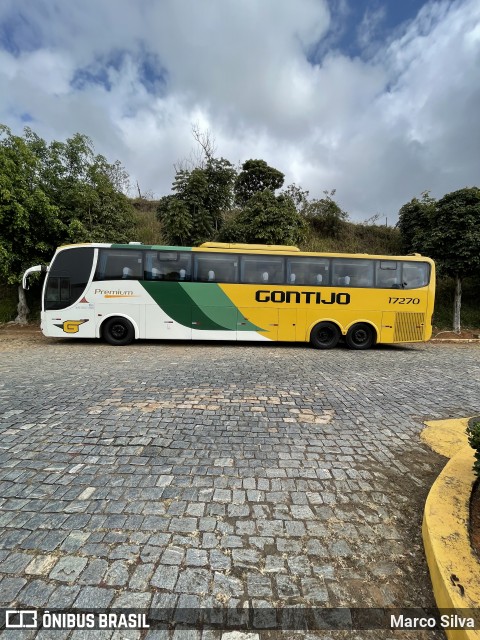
(325, 335)
(118, 331)
(360, 336)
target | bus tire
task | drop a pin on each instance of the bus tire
(118, 331)
(325, 335)
(361, 336)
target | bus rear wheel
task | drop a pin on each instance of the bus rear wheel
(325, 335)
(118, 331)
(360, 336)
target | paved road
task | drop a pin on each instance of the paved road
(196, 475)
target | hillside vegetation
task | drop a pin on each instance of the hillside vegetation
(354, 238)
(62, 192)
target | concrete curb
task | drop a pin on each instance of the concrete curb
(454, 340)
(454, 569)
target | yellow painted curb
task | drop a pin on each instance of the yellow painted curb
(446, 436)
(454, 569)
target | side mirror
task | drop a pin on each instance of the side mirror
(38, 268)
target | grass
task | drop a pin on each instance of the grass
(356, 238)
(148, 229)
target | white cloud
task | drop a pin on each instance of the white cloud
(379, 130)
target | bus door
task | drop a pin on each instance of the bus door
(287, 321)
(388, 326)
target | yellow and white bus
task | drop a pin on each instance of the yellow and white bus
(218, 291)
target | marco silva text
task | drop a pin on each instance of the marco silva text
(445, 621)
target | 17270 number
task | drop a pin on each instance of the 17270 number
(404, 300)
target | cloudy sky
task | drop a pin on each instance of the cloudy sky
(378, 100)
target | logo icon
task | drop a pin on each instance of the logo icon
(71, 326)
(20, 619)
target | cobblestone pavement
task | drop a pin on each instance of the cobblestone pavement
(197, 475)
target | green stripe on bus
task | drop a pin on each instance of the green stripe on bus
(179, 306)
(149, 247)
(210, 298)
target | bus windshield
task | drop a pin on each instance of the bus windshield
(68, 277)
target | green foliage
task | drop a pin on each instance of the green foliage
(8, 303)
(356, 238)
(86, 189)
(448, 230)
(454, 238)
(256, 176)
(9, 300)
(325, 216)
(298, 195)
(415, 220)
(444, 297)
(473, 433)
(148, 228)
(176, 220)
(52, 194)
(195, 212)
(266, 219)
(30, 225)
(220, 176)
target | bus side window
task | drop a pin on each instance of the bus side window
(215, 267)
(308, 271)
(353, 272)
(388, 274)
(119, 264)
(260, 269)
(415, 274)
(168, 265)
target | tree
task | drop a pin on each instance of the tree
(255, 177)
(195, 212)
(105, 212)
(201, 155)
(220, 175)
(298, 195)
(326, 216)
(449, 232)
(87, 189)
(415, 220)
(176, 220)
(454, 239)
(52, 194)
(30, 226)
(266, 219)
